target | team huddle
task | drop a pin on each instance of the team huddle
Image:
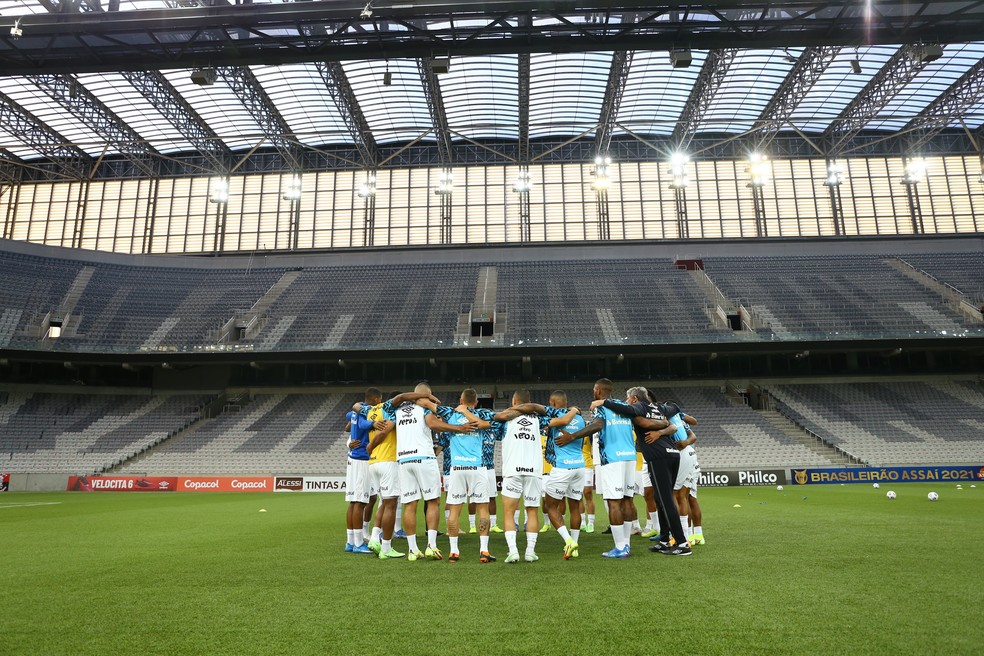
(549, 453)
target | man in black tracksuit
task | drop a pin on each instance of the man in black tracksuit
(663, 459)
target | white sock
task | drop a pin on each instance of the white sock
(349, 539)
(564, 533)
(516, 518)
(617, 535)
(591, 520)
(626, 533)
(376, 534)
(684, 522)
(471, 521)
(365, 529)
(432, 538)
(454, 544)
(447, 513)
(511, 541)
(698, 530)
(654, 521)
(575, 534)
(398, 525)
(530, 542)
(492, 520)
(387, 546)
(412, 543)
(483, 541)
(635, 525)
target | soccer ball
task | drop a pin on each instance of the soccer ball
(933, 496)
(890, 494)
(779, 487)
(876, 486)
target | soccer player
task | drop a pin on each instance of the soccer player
(468, 480)
(658, 448)
(522, 466)
(420, 477)
(587, 505)
(384, 474)
(357, 484)
(566, 478)
(617, 452)
(689, 472)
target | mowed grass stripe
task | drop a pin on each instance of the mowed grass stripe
(841, 569)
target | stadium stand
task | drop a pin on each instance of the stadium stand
(963, 271)
(892, 423)
(86, 433)
(835, 298)
(133, 308)
(610, 302)
(271, 433)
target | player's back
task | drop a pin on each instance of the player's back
(616, 441)
(413, 437)
(521, 452)
(570, 455)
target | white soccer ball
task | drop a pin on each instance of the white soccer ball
(933, 496)
(779, 487)
(890, 494)
(876, 486)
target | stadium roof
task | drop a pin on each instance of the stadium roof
(95, 81)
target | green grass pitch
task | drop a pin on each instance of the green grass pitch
(808, 570)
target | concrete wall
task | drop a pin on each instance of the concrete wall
(38, 482)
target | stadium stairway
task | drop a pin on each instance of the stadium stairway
(810, 441)
(954, 298)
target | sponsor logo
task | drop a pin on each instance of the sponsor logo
(192, 484)
(293, 484)
(323, 485)
(525, 470)
(122, 483)
(406, 422)
(742, 477)
(225, 484)
(830, 475)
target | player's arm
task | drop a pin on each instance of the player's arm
(519, 410)
(383, 427)
(655, 435)
(687, 418)
(466, 411)
(592, 428)
(400, 399)
(557, 422)
(437, 425)
(683, 444)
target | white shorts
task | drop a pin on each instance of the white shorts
(385, 479)
(565, 484)
(596, 454)
(618, 479)
(468, 485)
(357, 486)
(419, 479)
(525, 487)
(689, 472)
(493, 485)
(642, 479)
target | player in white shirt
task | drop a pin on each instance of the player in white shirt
(420, 477)
(522, 466)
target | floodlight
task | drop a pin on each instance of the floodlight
(219, 191)
(915, 171)
(16, 31)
